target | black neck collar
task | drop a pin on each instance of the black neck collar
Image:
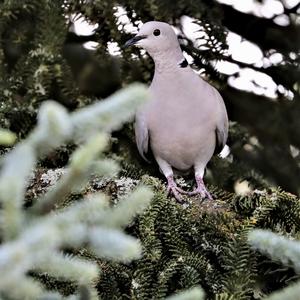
(183, 63)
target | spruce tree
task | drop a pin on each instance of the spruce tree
(208, 244)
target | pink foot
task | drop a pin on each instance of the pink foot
(174, 189)
(201, 189)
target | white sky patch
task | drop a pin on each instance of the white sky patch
(263, 80)
(193, 31)
(91, 45)
(292, 55)
(282, 20)
(266, 9)
(271, 8)
(241, 83)
(113, 48)
(189, 58)
(226, 67)
(254, 81)
(82, 27)
(190, 29)
(276, 58)
(243, 51)
(240, 50)
(124, 22)
(290, 3)
(288, 94)
(245, 6)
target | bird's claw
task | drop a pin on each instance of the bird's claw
(176, 192)
(174, 189)
(201, 189)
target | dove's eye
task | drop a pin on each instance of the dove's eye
(156, 32)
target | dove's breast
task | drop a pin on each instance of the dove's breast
(181, 119)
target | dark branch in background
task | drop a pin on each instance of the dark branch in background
(72, 37)
(286, 75)
(274, 132)
(292, 10)
(263, 32)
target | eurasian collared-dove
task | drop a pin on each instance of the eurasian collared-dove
(185, 122)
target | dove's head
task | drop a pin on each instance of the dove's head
(155, 37)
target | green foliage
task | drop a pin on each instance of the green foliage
(183, 246)
(33, 239)
(198, 243)
(201, 243)
(281, 249)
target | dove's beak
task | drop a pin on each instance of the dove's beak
(134, 40)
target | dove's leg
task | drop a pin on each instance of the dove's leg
(201, 189)
(172, 187)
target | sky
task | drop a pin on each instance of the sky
(239, 48)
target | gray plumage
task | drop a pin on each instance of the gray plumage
(185, 122)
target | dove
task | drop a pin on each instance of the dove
(185, 121)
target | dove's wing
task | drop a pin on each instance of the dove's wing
(141, 134)
(221, 137)
(222, 125)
